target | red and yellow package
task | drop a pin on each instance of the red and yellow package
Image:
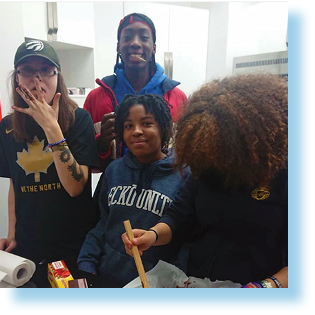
(59, 274)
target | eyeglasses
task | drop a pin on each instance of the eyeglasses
(44, 72)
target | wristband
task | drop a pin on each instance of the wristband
(257, 284)
(105, 154)
(277, 282)
(56, 143)
(266, 284)
(58, 146)
(156, 235)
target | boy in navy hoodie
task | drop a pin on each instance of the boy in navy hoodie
(138, 187)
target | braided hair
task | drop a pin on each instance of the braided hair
(153, 104)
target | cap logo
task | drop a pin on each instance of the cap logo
(35, 45)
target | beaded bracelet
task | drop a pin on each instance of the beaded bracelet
(56, 143)
(257, 284)
(156, 235)
(277, 282)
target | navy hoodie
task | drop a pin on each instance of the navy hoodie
(136, 192)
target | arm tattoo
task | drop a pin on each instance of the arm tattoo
(65, 156)
(73, 169)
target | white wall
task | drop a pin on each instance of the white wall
(241, 29)
(217, 41)
(105, 25)
(10, 38)
(256, 28)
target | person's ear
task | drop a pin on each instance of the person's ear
(154, 49)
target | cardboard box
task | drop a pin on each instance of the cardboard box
(59, 274)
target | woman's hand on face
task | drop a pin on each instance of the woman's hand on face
(38, 108)
(7, 244)
(142, 239)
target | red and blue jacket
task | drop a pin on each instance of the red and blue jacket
(103, 100)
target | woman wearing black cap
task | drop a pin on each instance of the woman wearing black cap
(137, 73)
(47, 146)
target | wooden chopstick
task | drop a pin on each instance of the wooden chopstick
(136, 256)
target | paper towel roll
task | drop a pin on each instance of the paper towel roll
(15, 270)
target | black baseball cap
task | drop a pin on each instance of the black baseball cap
(34, 47)
(136, 17)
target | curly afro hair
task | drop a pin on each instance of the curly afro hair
(237, 127)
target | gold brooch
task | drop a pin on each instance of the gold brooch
(260, 193)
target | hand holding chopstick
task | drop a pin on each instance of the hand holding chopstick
(136, 256)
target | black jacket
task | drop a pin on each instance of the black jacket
(238, 237)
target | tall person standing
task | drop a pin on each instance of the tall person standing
(135, 72)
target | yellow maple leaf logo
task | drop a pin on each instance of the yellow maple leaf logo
(35, 160)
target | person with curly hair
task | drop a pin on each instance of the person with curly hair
(234, 137)
(138, 187)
